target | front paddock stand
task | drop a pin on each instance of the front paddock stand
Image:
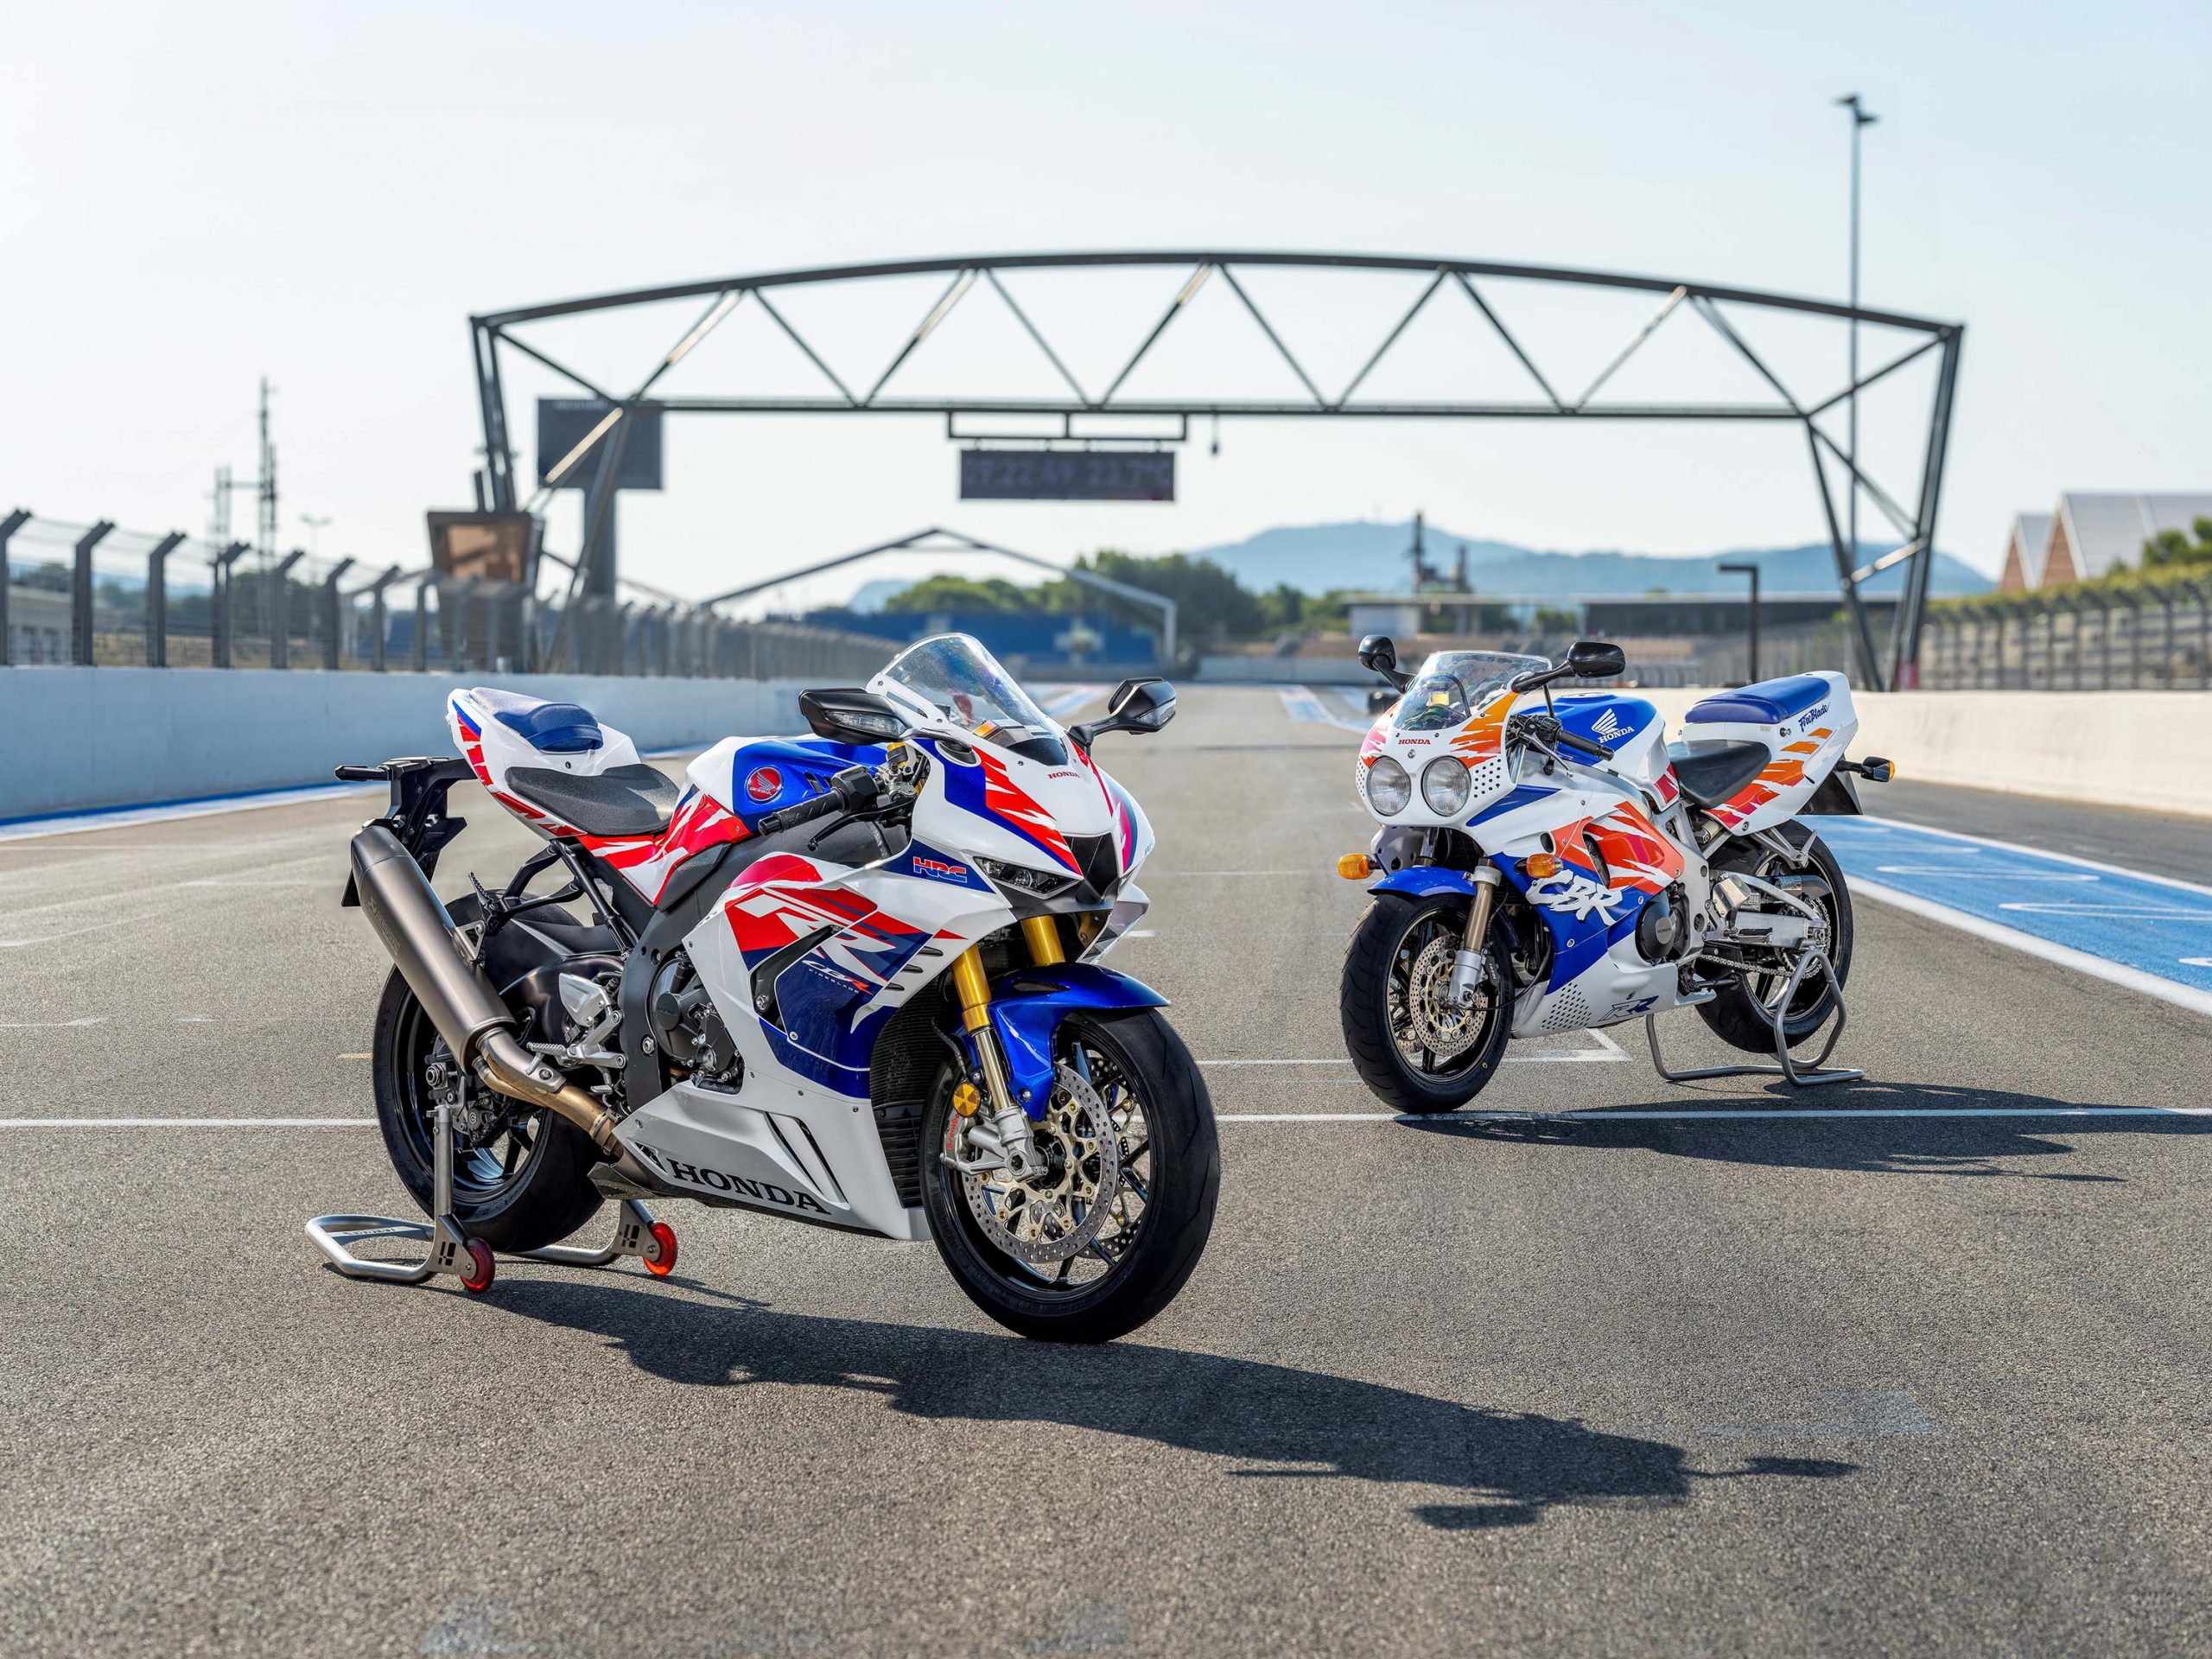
(1800, 1074)
(450, 1250)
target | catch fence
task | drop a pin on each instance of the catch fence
(2141, 637)
(97, 596)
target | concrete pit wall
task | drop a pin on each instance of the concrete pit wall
(79, 739)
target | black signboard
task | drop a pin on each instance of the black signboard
(1067, 475)
(565, 423)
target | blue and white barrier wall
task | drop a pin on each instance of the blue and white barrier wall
(79, 739)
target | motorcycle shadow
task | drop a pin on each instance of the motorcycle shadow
(1282, 1421)
(1894, 1145)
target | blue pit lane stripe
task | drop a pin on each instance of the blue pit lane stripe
(2156, 930)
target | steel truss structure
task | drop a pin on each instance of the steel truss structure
(1881, 668)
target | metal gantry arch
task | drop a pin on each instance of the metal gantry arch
(1459, 279)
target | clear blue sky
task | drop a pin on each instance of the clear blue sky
(194, 195)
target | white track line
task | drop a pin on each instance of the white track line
(186, 1122)
(1779, 1114)
(2112, 973)
(122, 817)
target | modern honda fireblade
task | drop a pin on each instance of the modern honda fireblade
(853, 979)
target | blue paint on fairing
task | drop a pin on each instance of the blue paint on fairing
(1523, 795)
(1603, 717)
(2154, 926)
(803, 765)
(1578, 943)
(1028, 1004)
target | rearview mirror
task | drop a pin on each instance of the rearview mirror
(845, 713)
(1595, 659)
(1378, 654)
(1137, 706)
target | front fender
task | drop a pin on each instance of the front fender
(1028, 1004)
(1419, 880)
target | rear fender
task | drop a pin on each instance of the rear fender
(1028, 1004)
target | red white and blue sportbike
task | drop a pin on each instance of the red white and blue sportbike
(1551, 864)
(853, 979)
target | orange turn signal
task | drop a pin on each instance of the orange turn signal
(1355, 867)
(1539, 865)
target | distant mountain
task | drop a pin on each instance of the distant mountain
(1372, 556)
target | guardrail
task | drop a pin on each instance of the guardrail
(2142, 637)
(96, 595)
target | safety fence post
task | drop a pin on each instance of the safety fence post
(330, 658)
(157, 598)
(80, 596)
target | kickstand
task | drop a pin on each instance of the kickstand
(1801, 1075)
(450, 1250)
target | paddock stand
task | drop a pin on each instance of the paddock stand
(470, 1259)
(1809, 1075)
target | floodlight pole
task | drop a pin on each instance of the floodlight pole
(1861, 120)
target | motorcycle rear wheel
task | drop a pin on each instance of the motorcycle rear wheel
(1169, 1161)
(1738, 1014)
(519, 1190)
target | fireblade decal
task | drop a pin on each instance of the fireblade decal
(988, 790)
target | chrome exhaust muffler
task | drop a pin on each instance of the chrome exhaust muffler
(420, 937)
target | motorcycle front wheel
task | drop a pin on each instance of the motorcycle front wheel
(1106, 1236)
(1410, 1044)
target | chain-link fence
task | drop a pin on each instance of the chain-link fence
(2142, 637)
(97, 596)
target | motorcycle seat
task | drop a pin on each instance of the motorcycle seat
(634, 800)
(1709, 773)
(1768, 703)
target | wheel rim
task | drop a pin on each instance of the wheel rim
(1436, 1040)
(485, 1167)
(1100, 1170)
(1766, 989)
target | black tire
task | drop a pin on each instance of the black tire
(1180, 1172)
(527, 1188)
(1736, 1014)
(1394, 924)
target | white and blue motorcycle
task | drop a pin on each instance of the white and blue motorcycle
(853, 979)
(1552, 863)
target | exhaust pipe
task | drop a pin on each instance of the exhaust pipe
(477, 1025)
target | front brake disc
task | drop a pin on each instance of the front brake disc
(1057, 1214)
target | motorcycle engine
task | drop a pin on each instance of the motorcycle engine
(1660, 935)
(688, 1030)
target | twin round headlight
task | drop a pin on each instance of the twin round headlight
(1443, 786)
(1389, 788)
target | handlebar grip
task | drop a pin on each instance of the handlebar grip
(1569, 740)
(852, 790)
(359, 774)
(806, 812)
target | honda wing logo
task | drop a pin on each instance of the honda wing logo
(1609, 728)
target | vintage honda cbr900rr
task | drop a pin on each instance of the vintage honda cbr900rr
(1554, 865)
(851, 979)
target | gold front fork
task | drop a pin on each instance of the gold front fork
(1042, 935)
(1011, 1127)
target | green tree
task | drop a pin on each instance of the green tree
(959, 596)
(2172, 549)
(1209, 601)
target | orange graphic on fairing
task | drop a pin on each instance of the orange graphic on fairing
(1622, 848)
(1482, 738)
(1777, 776)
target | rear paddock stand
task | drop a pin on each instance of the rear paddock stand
(471, 1260)
(1800, 1074)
